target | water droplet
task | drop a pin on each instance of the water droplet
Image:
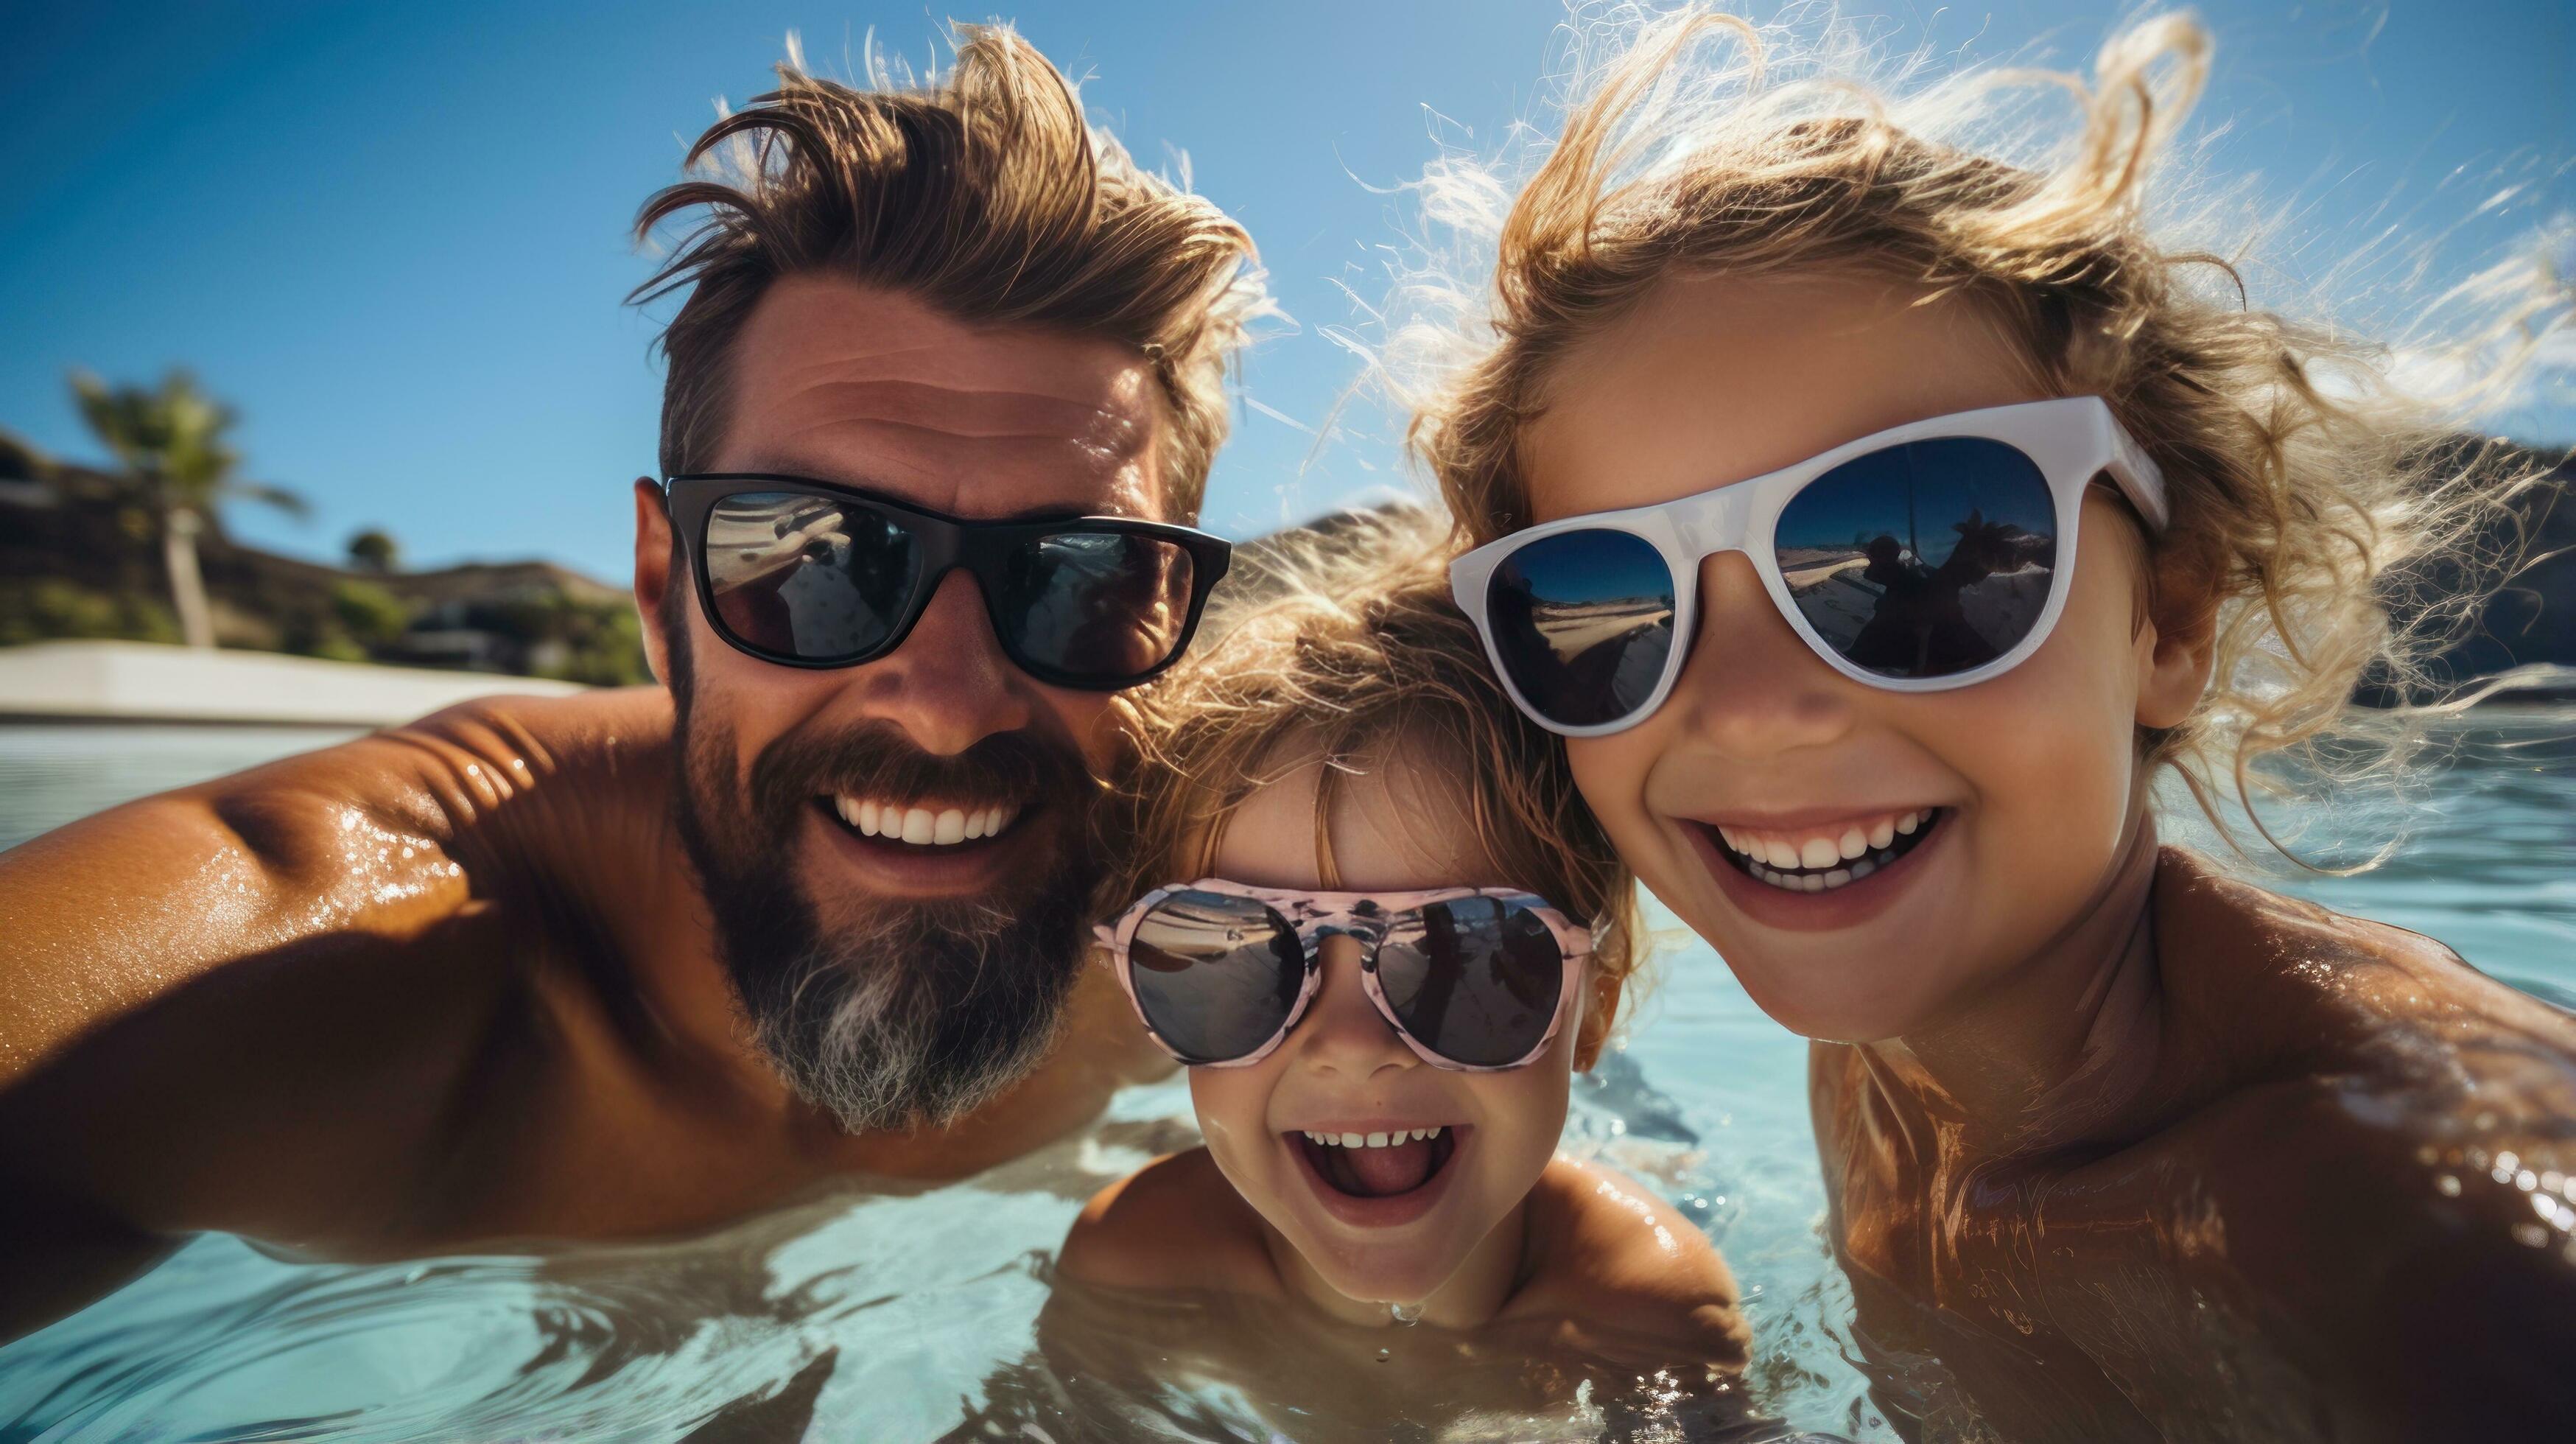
(1382, 1356)
(1407, 1314)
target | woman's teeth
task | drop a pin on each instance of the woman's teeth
(1823, 861)
(1370, 1140)
(935, 827)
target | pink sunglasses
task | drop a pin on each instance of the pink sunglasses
(1473, 979)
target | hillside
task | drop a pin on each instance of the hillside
(77, 560)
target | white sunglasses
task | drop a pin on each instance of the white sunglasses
(1928, 556)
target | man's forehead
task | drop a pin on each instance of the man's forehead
(839, 382)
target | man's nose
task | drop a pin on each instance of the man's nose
(1751, 687)
(948, 686)
(1343, 1031)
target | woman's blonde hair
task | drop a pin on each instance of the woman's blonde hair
(1344, 648)
(2314, 504)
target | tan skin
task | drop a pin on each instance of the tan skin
(2132, 1147)
(454, 982)
(1525, 1245)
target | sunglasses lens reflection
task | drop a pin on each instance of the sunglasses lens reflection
(808, 577)
(1215, 975)
(1476, 982)
(1105, 606)
(1583, 621)
(1923, 560)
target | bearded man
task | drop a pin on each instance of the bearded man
(947, 380)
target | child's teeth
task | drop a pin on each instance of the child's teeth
(1778, 853)
(1854, 843)
(1882, 832)
(1393, 1138)
(1910, 821)
(1817, 852)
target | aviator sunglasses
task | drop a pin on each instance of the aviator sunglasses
(1925, 557)
(1474, 980)
(810, 574)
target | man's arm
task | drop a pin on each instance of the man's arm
(244, 1004)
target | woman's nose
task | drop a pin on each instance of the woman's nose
(1751, 687)
(1343, 1031)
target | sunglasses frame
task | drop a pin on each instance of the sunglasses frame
(1367, 919)
(2071, 440)
(947, 543)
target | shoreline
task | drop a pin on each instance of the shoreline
(119, 683)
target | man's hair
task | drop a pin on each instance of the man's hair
(981, 192)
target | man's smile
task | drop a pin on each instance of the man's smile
(924, 822)
(928, 847)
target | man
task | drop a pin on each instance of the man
(639, 961)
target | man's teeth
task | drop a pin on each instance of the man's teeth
(1370, 1140)
(921, 825)
(1823, 861)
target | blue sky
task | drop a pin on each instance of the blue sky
(395, 236)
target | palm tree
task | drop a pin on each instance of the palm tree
(171, 441)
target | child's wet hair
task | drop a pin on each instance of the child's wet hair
(2323, 520)
(1341, 644)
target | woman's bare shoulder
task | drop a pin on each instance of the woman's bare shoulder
(1173, 1224)
(1627, 1269)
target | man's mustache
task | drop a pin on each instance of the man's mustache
(876, 760)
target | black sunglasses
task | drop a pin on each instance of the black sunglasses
(809, 574)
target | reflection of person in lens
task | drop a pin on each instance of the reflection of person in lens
(1920, 627)
(1611, 646)
(1106, 603)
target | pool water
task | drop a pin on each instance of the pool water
(867, 1314)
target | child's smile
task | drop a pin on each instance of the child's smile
(1320, 1136)
(1376, 1176)
(1819, 874)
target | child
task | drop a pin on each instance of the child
(1383, 933)
(1873, 519)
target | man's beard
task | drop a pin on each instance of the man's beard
(901, 1011)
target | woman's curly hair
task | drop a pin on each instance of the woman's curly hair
(2321, 516)
(1339, 643)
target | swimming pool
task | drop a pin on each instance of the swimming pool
(911, 1314)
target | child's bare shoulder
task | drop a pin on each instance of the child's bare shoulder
(2321, 993)
(1609, 1256)
(1173, 1224)
(2377, 1082)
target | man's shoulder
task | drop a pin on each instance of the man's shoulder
(1176, 1223)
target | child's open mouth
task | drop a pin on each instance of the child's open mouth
(1825, 864)
(1377, 1178)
